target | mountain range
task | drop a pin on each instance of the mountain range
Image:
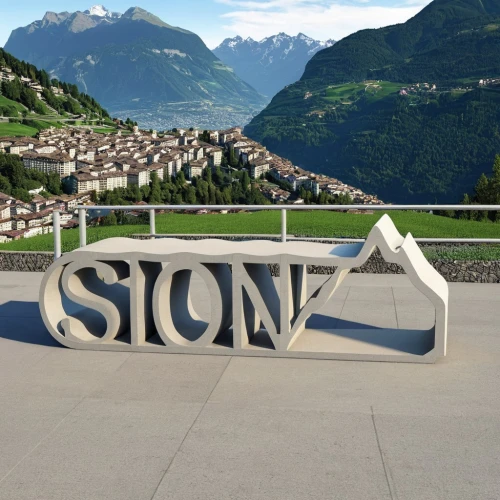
(139, 66)
(270, 64)
(409, 112)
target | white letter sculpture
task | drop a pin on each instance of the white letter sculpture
(123, 294)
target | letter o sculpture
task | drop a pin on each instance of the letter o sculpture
(178, 323)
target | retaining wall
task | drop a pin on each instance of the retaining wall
(458, 271)
(25, 261)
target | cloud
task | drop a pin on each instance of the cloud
(320, 19)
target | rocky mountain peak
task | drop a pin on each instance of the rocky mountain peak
(271, 63)
(139, 14)
(101, 11)
(54, 18)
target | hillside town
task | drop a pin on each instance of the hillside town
(90, 163)
(7, 75)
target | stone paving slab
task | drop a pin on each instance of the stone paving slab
(24, 423)
(80, 425)
(435, 458)
(103, 449)
(263, 453)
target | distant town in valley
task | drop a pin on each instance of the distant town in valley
(135, 166)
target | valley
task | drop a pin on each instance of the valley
(199, 114)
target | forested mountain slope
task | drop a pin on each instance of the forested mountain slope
(408, 112)
(37, 93)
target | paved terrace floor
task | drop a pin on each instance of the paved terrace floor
(80, 425)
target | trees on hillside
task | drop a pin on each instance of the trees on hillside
(407, 149)
(210, 189)
(12, 90)
(205, 136)
(29, 98)
(17, 92)
(486, 192)
(17, 181)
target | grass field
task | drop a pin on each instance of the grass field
(41, 123)
(20, 108)
(312, 224)
(7, 102)
(382, 89)
(491, 27)
(104, 130)
(343, 92)
(373, 89)
(16, 130)
(463, 252)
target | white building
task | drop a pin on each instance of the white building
(215, 158)
(4, 212)
(138, 175)
(84, 181)
(172, 166)
(5, 224)
(259, 168)
(19, 147)
(195, 168)
(61, 163)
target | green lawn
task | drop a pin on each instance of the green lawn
(374, 90)
(7, 102)
(383, 90)
(342, 92)
(16, 129)
(104, 130)
(44, 124)
(312, 224)
(46, 110)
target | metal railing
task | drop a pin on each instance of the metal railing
(82, 217)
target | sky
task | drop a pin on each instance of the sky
(215, 20)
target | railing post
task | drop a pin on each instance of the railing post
(56, 229)
(152, 222)
(283, 225)
(82, 221)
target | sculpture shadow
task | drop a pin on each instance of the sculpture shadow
(321, 321)
(21, 321)
(417, 342)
